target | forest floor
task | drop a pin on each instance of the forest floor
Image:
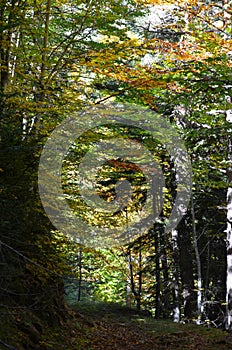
(111, 326)
(102, 326)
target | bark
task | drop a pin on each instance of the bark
(80, 276)
(4, 53)
(198, 263)
(138, 306)
(40, 95)
(156, 229)
(157, 274)
(135, 291)
(229, 244)
(130, 270)
(175, 279)
(128, 285)
(186, 270)
(165, 274)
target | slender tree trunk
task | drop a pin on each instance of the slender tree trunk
(165, 274)
(229, 262)
(157, 274)
(136, 291)
(40, 94)
(138, 306)
(229, 241)
(175, 278)
(228, 320)
(4, 56)
(80, 276)
(198, 263)
(128, 281)
(186, 270)
(156, 230)
(206, 283)
(131, 271)
(128, 288)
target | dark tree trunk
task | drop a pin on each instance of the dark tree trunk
(186, 271)
(80, 276)
(157, 273)
(165, 274)
(176, 277)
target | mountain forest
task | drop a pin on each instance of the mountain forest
(128, 245)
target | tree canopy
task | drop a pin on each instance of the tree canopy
(170, 59)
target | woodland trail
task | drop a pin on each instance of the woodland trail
(118, 328)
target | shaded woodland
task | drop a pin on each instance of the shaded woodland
(59, 58)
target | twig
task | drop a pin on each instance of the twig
(28, 259)
(35, 263)
(108, 97)
(7, 345)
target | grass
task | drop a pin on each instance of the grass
(102, 326)
(117, 327)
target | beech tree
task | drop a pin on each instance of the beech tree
(187, 80)
(58, 57)
(44, 49)
(229, 228)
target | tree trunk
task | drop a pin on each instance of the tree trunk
(228, 321)
(165, 274)
(140, 273)
(198, 263)
(80, 276)
(229, 262)
(157, 273)
(186, 270)
(175, 278)
(229, 243)
(128, 284)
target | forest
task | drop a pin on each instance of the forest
(115, 174)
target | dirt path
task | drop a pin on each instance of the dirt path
(126, 337)
(122, 329)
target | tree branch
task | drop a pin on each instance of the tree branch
(29, 260)
(7, 345)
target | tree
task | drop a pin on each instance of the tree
(43, 55)
(187, 81)
(229, 229)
